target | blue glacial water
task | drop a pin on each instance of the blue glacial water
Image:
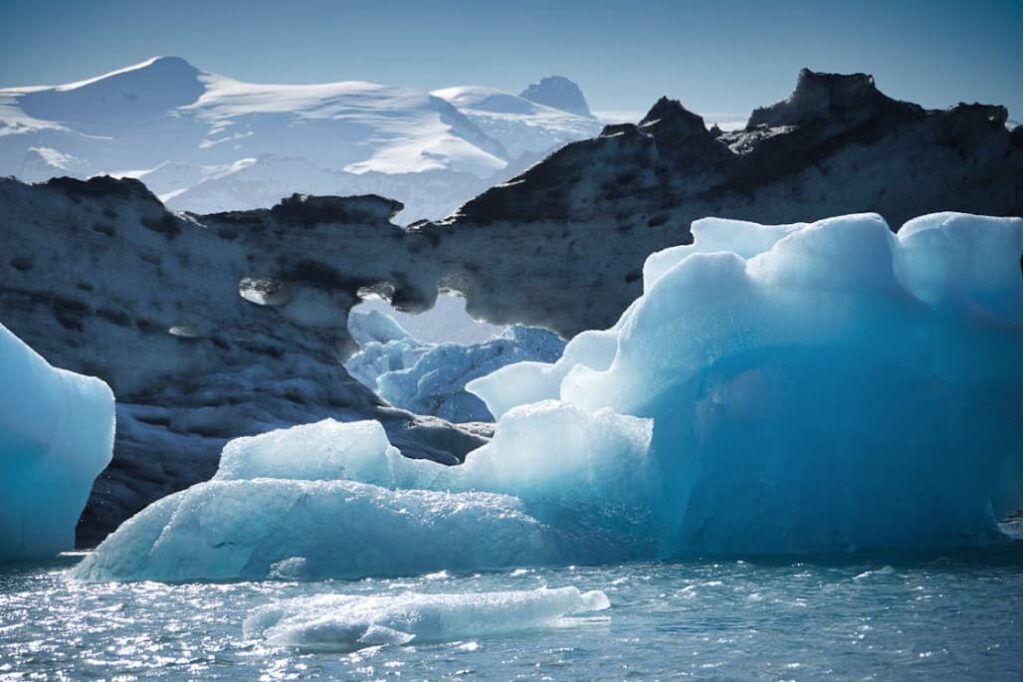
(940, 619)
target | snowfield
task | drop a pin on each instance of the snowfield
(205, 142)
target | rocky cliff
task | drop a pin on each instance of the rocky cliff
(562, 244)
(206, 327)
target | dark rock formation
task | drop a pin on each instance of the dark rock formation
(207, 328)
(587, 216)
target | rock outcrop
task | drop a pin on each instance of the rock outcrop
(206, 327)
(562, 245)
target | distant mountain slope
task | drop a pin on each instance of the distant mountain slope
(207, 142)
(558, 92)
(521, 125)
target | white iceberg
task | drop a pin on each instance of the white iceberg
(337, 500)
(56, 436)
(339, 622)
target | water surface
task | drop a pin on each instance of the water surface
(939, 619)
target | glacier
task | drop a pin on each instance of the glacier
(819, 388)
(56, 436)
(339, 622)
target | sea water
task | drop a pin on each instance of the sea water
(871, 619)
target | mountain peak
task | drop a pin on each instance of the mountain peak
(668, 120)
(174, 68)
(560, 93)
(821, 96)
(106, 103)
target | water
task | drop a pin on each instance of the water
(727, 620)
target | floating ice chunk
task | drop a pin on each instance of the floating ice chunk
(252, 529)
(56, 436)
(325, 451)
(830, 394)
(337, 622)
(855, 410)
(274, 500)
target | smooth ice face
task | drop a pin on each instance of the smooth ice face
(962, 260)
(854, 395)
(718, 235)
(253, 529)
(324, 451)
(56, 436)
(339, 622)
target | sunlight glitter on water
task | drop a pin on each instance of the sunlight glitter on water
(728, 620)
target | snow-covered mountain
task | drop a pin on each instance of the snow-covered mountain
(521, 125)
(558, 92)
(206, 142)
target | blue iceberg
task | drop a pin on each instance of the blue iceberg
(56, 436)
(821, 388)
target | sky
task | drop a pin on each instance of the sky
(726, 57)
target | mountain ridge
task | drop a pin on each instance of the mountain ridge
(164, 110)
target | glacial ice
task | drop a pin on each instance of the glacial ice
(429, 378)
(339, 622)
(833, 388)
(854, 389)
(254, 529)
(336, 500)
(56, 436)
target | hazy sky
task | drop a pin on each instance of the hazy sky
(715, 56)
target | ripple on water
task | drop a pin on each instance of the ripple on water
(741, 620)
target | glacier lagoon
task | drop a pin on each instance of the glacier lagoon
(945, 618)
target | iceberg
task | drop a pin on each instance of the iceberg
(429, 378)
(335, 499)
(810, 389)
(339, 622)
(317, 501)
(825, 387)
(56, 436)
